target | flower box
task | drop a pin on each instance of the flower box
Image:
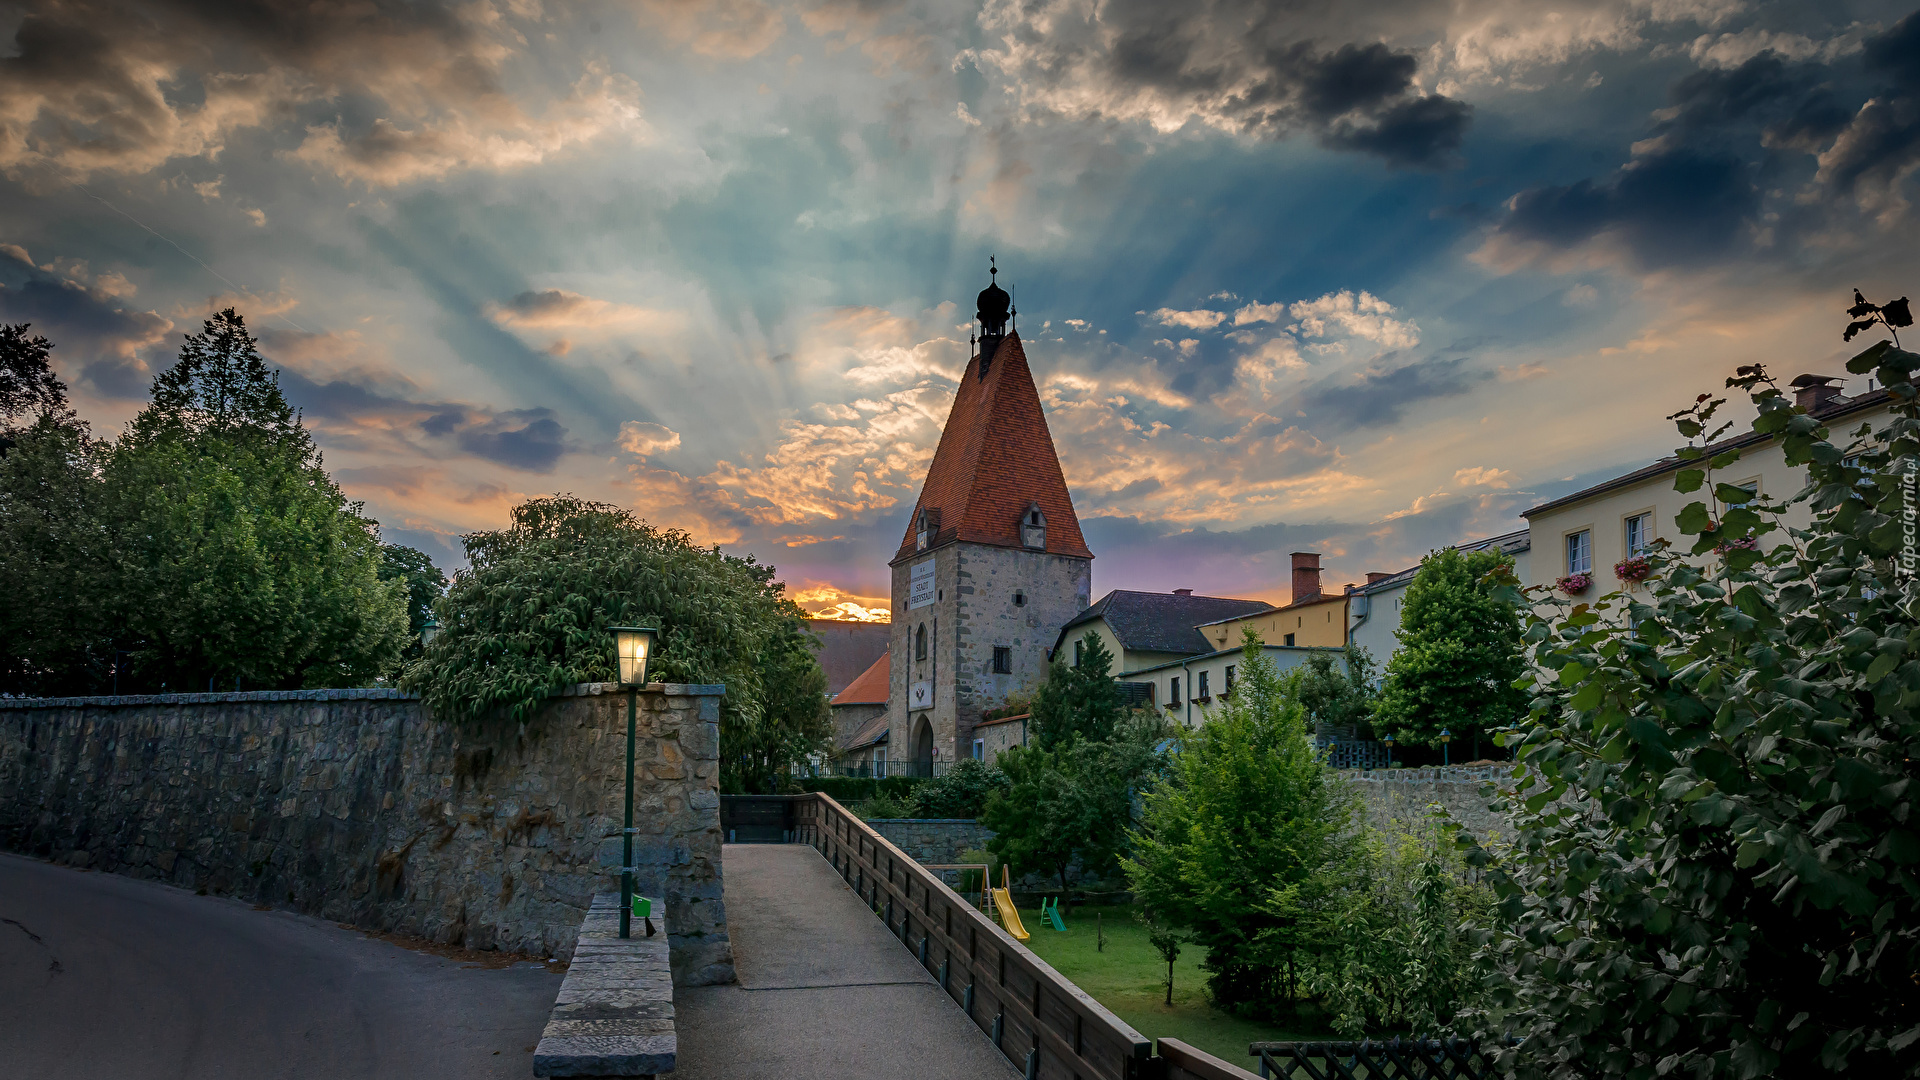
(1633, 570)
(1575, 584)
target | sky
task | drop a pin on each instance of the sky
(1362, 279)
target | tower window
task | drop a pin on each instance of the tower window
(1002, 660)
(920, 642)
(1019, 598)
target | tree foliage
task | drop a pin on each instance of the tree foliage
(207, 548)
(1078, 701)
(424, 584)
(530, 616)
(1460, 652)
(1338, 700)
(1246, 808)
(1715, 872)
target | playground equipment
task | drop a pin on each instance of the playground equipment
(985, 903)
(1003, 901)
(1050, 910)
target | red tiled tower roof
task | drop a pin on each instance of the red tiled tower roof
(995, 459)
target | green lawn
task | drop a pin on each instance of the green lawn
(1130, 978)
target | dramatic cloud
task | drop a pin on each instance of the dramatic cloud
(646, 440)
(1237, 65)
(1382, 396)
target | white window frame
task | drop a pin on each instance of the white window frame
(1644, 520)
(1579, 551)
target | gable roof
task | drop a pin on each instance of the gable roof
(1832, 410)
(995, 458)
(1161, 622)
(870, 686)
(871, 733)
(1512, 543)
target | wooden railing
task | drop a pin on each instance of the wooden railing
(1048, 1027)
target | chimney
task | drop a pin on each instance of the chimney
(1183, 592)
(1306, 575)
(1376, 575)
(1814, 392)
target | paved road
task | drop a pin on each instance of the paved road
(825, 991)
(104, 977)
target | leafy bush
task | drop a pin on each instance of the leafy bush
(847, 790)
(884, 805)
(1077, 702)
(529, 617)
(1393, 948)
(1717, 871)
(961, 793)
(1336, 699)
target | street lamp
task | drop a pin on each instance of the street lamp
(428, 631)
(1388, 739)
(632, 645)
(1446, 755)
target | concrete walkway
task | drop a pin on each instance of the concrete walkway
(103, 976)
(825, 991)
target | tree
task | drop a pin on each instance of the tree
(1078, 701)
(423, 582)
(1044, 819)
(237, 560)
(1338, 700)
(1717, 868)
(57, 553)
(1247, 807)
(529, 617)
(1166, 940)
(27, 381)
(1460, 652)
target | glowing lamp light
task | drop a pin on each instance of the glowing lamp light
(633, 645)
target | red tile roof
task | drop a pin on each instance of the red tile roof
(996, 457)
(870, 688)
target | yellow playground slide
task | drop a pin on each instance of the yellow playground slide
(1003, 901)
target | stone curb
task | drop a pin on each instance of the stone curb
(614, 1013)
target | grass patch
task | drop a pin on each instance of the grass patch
(1130, 979)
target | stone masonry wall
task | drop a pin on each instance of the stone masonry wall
(356, 806)
(933, 840)
(1408, 794)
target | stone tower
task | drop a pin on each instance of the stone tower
(993, 563)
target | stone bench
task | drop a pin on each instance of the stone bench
(614, 1013)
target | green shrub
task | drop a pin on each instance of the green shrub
(847, 790)
(961, 793)
(884, 806)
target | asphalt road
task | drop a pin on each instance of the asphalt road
(103, 976)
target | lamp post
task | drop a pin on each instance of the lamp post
(631, 645)
(1446, 755)
(428, 631)
(1388, 739)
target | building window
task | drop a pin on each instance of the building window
(1019, 598)
(1580, 552)
(1078, 648)
(1289, 639)
(1173, 690)
(979, 751)
(1002, 660)
(920, 642)
(1229, 687)
(1639, 534)
(1752, 488)
(1203, 695)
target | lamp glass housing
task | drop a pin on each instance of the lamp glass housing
(633, 645)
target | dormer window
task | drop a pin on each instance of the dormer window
(1033, 528)
(926, 528)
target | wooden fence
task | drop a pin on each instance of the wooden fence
(1386, 1059)
(1047, 1027)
